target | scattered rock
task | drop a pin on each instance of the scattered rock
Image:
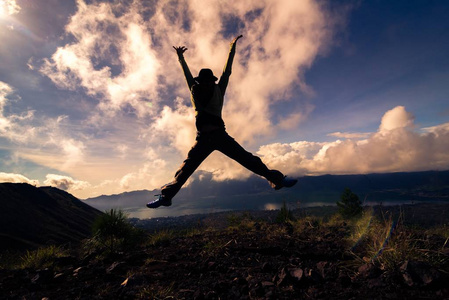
(269, 263)
(211, 265)
(77, 271)
(267, 284)
(297, 274)
(322, 268)
(266, 267)
(282, 277)
(134, 280)
(375, 282)
(42, 276)
(344, 280)
(369, 271)
(416, 273)
(313, 276)
(116, 267)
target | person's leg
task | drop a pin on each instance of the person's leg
(200, 150)
(228, 146)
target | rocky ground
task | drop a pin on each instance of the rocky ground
(247, 259)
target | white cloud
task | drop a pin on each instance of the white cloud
(349, 135)
(395, 147)
(438, 130)
(396, 118)
(65, 182)
(5, 90)
(147, 175)
(143, 126)
(289, 158)
(17, 178)
(122, 150)
(176, 125)
(73, 151)
(14, 127)
(42, 140)
(104, 42)
(292, 121)
(119, 51)
(121, 55)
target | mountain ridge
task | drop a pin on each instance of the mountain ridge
(32, 217)
(375, 187)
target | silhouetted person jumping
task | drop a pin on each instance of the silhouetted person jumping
(207, 100)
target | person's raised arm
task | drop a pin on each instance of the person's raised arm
(185, 68)
(227, 70)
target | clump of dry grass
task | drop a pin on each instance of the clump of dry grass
(387, 242)
(42, 257)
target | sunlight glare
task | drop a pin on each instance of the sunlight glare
(8, 7)
(2, 8)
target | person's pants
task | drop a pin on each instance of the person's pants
(219, 140)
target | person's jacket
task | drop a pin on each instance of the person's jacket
(208, 103)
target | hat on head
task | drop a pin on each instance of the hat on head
(205, 74)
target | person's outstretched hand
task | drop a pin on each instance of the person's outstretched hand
(236, 39)
(180, 50)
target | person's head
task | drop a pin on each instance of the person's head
(206, 76)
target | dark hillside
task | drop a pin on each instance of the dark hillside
(31, 217)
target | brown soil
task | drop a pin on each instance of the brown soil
(252, 260)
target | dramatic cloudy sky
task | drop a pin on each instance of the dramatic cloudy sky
(93, 101)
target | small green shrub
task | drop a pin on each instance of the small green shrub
(349, 205)
(112, 233)
(285, 215)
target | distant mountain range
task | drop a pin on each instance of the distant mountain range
(310, 190)
(31, 217)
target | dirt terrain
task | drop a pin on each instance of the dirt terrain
(248, 258)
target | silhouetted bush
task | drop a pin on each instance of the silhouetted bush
(349, 205)
(285, 215)
(112, 232)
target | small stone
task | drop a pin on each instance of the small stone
(210, 265)
(282, 277)
(321, 266)
(36, 278)
(42, 276)
(269, 295)
(267, 284)
(198, 295)
(369, 271)
(266, 267)
(375, 282)
(76, 271)
(417, 273)
(59, 277)
(313, 275)
(113, 267)
(297, 274)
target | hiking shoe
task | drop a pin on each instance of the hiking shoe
(289, 182)
(285, 182)
(160, 201)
